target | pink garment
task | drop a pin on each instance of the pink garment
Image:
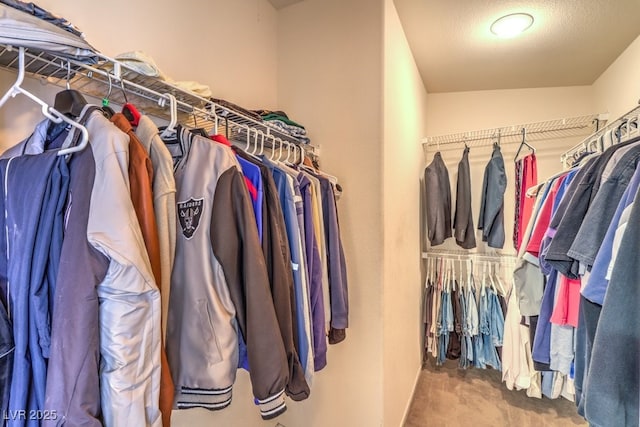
(543, 219)
(567, 302)
(528, 179)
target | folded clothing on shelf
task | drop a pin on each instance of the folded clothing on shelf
(44, 14)
(281, 121)
(282, 118)
(238, 109)
(144, 64)
(294, 131)
(22, 29)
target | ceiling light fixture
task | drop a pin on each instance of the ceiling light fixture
(511, 25)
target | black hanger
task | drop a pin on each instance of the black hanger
(199, 131)
(70, 102)
(523, 144)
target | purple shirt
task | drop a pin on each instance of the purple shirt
(314, 267)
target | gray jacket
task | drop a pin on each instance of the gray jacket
(491, 220)
(463, 218)
(438, 197)
(220, 286)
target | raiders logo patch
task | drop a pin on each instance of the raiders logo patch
(189, 214)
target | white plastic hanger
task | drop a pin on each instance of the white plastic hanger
(171, 128)
(262, 136)
(453, 273)
(48, 111)
(503, 290)
(431, 271)
(470, 274)
(273, 148)
(246, 148)
(484, 277)
(302, 155)
(212, 112)
(491, 281)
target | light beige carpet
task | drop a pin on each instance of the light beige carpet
(450, 397)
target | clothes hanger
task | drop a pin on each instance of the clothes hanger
(289, 151)
(51, 113)
(280, 152)
(261, 144)
(273, 148)
(170, 130)
(197, 130)
(469, 274)
(69, 102)
(255, 143)
(523, 144)
(453, 273)
(106, 109)
(254, 153)
(500, 286)
(129, 110)
(446, 284)
(484, 279)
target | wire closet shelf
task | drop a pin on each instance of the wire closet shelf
(120, 84)
(593, 142)
(537, 131)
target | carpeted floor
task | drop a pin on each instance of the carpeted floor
(450, 397)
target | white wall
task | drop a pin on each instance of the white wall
(330, 76)
(405, 108)
(467, 111)
(617, 90)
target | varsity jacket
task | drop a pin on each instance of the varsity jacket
(219, 286)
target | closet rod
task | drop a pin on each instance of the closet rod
(460, 255)
(585, 144)
(148, 93)
(558, 128)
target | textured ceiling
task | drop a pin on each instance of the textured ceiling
(570, 43)
(279, 4)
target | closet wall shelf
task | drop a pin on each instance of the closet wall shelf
(109, 77)
(537, 131)
(592, 142)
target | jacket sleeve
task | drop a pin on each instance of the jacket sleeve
(276, 251)
(236, 245)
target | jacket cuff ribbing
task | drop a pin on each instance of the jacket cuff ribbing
(272, 406)
(212, 399)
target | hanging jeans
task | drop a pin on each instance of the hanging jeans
(34, 191)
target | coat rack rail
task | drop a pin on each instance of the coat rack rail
(149, 94)
(592, 142)
(536, 131)
(461, 255)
